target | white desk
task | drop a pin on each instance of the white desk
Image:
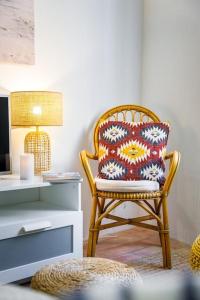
(40, 223)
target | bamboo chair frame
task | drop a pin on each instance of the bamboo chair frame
(153, 203)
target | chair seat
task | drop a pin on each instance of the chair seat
(123, 186)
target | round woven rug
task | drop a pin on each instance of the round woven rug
(151, 266)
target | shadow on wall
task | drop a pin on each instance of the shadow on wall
(186, 190)
(85, 142)
(186, 194)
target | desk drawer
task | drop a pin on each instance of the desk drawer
(34, 247)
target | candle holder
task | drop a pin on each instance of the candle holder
(26, 166)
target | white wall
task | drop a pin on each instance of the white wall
(91, 51)
(171, 87)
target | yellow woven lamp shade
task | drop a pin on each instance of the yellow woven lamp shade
(195, 255)
(37, 108)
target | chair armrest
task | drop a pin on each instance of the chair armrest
(84, 156)
(174, 158)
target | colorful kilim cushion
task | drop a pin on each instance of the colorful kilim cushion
(132, 151)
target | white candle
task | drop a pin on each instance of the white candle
(26, 166)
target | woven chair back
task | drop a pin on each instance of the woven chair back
(129, 113)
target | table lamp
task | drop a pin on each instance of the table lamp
(37, 108)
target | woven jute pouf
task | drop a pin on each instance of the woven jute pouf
(78, 274)
(195, 255)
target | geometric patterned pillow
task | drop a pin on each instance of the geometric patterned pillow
(132, 151)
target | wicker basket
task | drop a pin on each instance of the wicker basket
(195, 255)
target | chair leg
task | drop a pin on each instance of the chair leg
(97, 237)
(166, 234)
(91, 228)
(94, 242)
(162, 237)
(97, 234)
(102, 203)
(156, 201)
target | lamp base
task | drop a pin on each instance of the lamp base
(38, 143)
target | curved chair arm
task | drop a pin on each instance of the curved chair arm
(84, 155)
(174, 157)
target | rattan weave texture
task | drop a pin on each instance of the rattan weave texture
(38, 143)
(195, 255)
(50, 108)
(130, 196)
(75, 274)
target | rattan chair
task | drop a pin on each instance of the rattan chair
(153, 203)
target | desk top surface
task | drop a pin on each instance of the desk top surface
(13, 182)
